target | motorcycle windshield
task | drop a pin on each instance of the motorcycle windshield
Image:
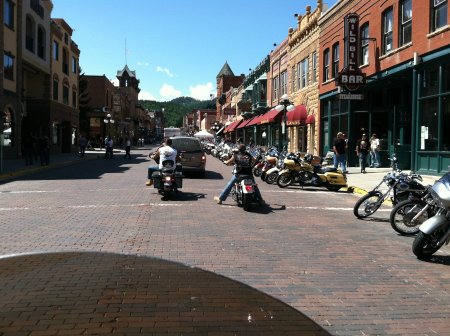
(442, 188)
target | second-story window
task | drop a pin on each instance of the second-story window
(8, 66)
(74, 65)
(304, 73)
(438, 14)
(405, 22)
(8, 13)
(284, 81)
(55, 50)
(41, 43)
(326, 65)
(65, 94)
(387, 30)
(364, 58)
(65, 62)
(314, 67)
(335, 69)
(275, 88)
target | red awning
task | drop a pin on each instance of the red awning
(270, 117)
(255, 121)
(297, 116)
(310, 119)
(244, 123)
(232, 126)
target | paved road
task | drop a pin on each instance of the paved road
(89, 249)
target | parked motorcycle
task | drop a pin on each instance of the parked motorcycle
(168, 179)
(270, 161)
(243, 191)
(272, 173)
(408, 215)
(435, 232)
(399, 186)
(309, 172)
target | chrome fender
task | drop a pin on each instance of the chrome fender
(433, 223)
(284, 171)
(271, 170)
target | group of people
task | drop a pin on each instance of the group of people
(36, 147)
(364, 148)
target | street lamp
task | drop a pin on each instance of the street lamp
(108, 120)
(285, 105)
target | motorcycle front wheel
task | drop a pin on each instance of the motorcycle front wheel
(425, 245)
(284, 180)
(368, 204)
(272, 177)
(257, 171)
(402, 216)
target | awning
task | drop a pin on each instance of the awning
(244, 123)
(297, 116)
(249, 88)
(270, 117)
(232, 126)
(262, 77)
(310, 119)
(255, 121)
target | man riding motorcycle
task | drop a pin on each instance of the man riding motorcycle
(243, 166)
(163, 153)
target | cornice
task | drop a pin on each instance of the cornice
(306, 24)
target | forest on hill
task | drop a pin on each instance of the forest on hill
(176, 109)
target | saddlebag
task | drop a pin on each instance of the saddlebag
(179, 179)
(157, 178)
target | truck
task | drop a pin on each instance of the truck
(171, 132)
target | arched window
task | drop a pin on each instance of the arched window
(65, 61)
(29, 34)
(41, 43)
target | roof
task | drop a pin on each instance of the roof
(127, 70)
(225, 71)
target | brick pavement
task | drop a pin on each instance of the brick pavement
(306, 249)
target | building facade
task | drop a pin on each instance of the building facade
(403, 51)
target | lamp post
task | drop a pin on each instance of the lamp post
(108, 121)
(285, 106)
(216, 127)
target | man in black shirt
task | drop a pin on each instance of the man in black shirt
(362, 149)
(340, 152)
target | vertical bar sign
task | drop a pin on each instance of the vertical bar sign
(351, 28)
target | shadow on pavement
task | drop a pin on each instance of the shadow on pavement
(99, 293)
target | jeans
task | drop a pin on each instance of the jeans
(225, 192)
(363, 161)
(375, 158)
(127, 152)
(340, 159)
(151, 170)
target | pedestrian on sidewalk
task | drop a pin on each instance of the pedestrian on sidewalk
(374, 151)
(340, 152)
(44, 150)
(362, 149)
(82, 142)
(127, 148)
(28, 149)
(109, 145)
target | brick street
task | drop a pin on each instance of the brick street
(89, 249)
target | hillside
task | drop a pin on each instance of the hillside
(176, 109)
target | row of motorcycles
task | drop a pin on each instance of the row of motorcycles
(418, 210)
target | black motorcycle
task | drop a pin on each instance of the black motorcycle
(168, 179)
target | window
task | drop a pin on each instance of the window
(74, 65)
(314, 67)
(65, 62)
(55, 50)
(66, 94)
(387, 30)
(8, 13)
(304, 73)
(299, 71)
(74, 98)
(29, 34)
(364, 58)
(438, 14)
(405, 22)
(41, 43)
(428, 121)
(275, 88)
(326, 65)
(335, 69)
(8, 66)
(430, 82)
(55, 89)
(283, 84)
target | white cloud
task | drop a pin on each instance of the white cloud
(201, 91)
(115, 81)
(144, 95)
(165, 70)
(143, 63)
(168, 92)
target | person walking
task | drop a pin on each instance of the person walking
(44, 150)
(28, 149)
(340, 152)
(362, 149)
(374, 151)
(127, 148)
(82, 142)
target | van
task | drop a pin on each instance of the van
(193, 159)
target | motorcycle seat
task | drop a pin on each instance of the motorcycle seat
(327, 170)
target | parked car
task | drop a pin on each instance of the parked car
(193, 159)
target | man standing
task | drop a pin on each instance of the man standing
(362, 149)
(374, 151)
(340, 152)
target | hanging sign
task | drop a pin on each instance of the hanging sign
(351, 77)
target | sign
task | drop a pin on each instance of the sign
(351, 96)
(351, 76)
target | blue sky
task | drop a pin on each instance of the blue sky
(177, 47)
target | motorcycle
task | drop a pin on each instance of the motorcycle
(243, 192)
(435, 232)
(309, 172)
(270, 161)
(258, 157)
(168, 179)
(408, 215)
(272, 173)
(400, 186)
